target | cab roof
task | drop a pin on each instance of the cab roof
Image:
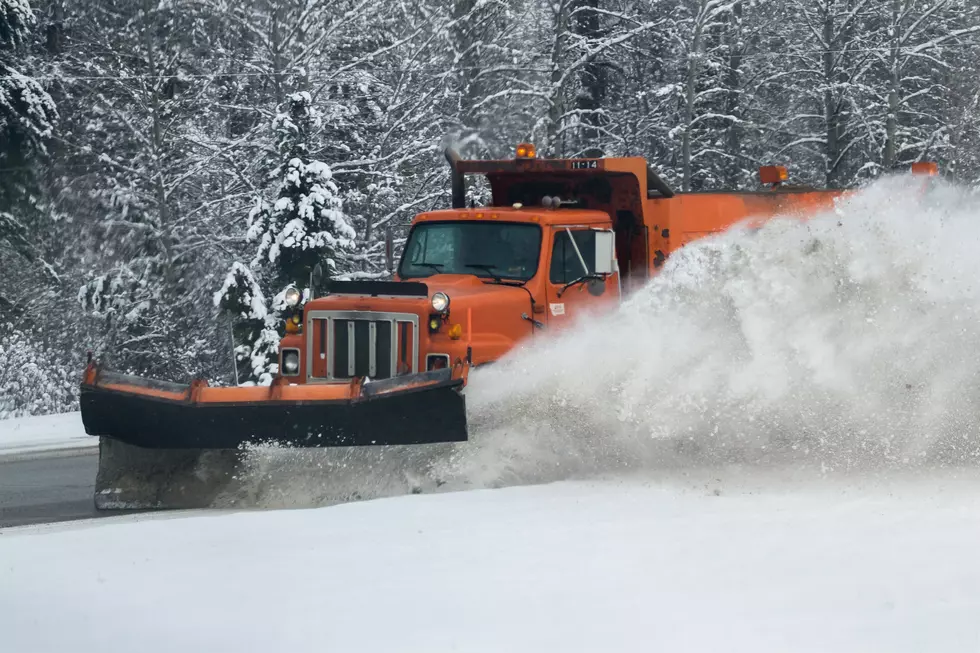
(529, 214)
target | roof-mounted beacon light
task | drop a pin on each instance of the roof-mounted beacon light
(927, 168)
(526, 151)
(773, 175)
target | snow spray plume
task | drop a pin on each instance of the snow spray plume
(850, 340)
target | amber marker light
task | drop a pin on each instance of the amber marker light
(526, 151)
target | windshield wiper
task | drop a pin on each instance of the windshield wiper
(486, 267)
(583, 278)
(435, 266)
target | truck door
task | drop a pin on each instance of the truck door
(574, 288)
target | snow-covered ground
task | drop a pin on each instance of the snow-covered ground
(835, 361)
(717, 561)
(44, 433)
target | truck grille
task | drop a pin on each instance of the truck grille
(346, 344)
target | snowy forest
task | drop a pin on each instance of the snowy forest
(169, 167)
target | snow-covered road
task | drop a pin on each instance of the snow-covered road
(694, 563)
(47, 469)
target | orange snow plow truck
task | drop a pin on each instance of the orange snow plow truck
(385, 362)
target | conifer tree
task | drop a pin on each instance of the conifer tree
(304, 226)
(27, 118)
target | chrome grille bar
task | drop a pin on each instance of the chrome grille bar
(394, 347)
(372, 349)
(351, 349)
(328, 323)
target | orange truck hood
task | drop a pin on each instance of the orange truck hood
(490, 314)
(461, 288)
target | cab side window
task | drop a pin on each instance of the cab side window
(565, 264)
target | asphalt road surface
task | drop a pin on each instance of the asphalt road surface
(48, 487)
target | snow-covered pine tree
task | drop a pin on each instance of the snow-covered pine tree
(305, 225)
(27, 112)
(255, 329)
(34, 380)
(302, 227)
(820, 102)
(27, 118)
(704, 53)
(725, 130)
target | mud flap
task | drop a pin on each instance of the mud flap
(134, 478)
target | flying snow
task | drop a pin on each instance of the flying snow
(847, 340)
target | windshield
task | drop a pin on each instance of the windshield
(503, 250)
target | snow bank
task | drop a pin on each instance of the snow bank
(716, 562)
(44, 433)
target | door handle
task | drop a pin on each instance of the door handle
(530, 319)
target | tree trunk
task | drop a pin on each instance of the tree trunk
(275, 43)
(593, 78)
(469, 60)
(156, 170)
(693, 67)
(55, 29)
(556, 110)
(733, 105)
(895, 83)
(831, 107)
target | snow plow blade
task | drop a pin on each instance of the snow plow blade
(165, 445)
(417, 409)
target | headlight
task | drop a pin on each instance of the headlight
(293, 295)
(440, 302)
(290, 362)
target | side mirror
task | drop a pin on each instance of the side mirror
(316, 277)
(389, 250)
(605, 252)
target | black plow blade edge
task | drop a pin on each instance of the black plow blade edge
(430, 414)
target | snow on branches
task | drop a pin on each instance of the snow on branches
(27, 112)
(33, 380)
(16, 18)
(241, 295)
(304, 226)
